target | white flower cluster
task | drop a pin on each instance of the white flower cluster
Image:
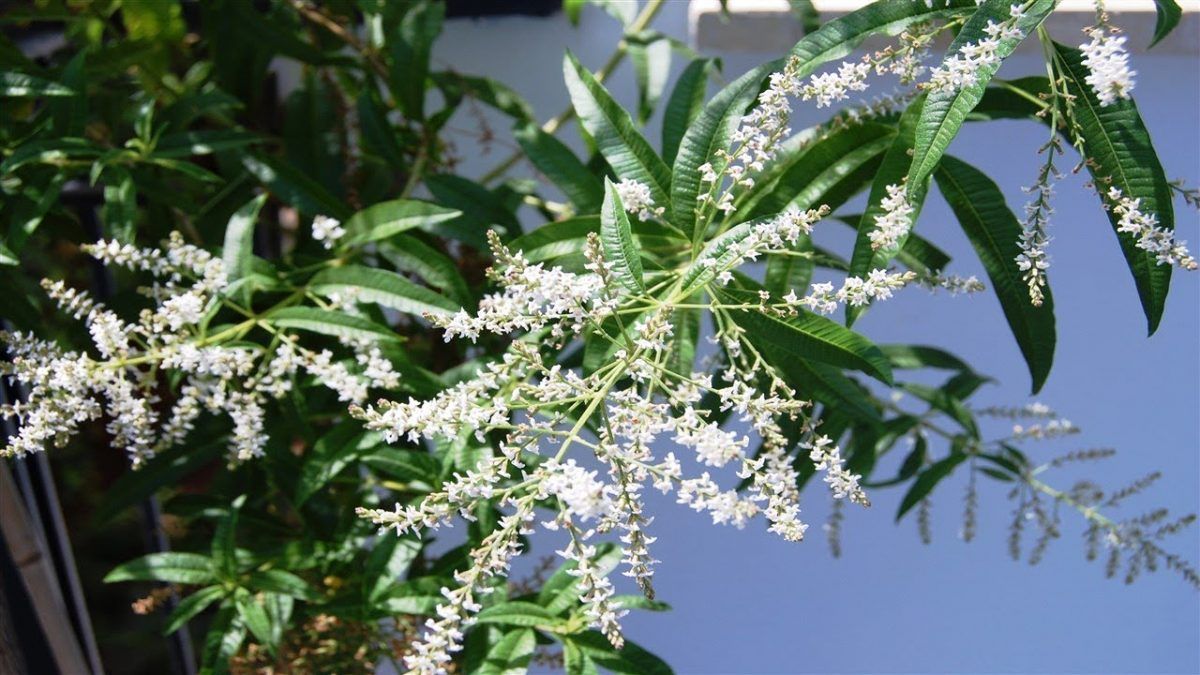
(68, 388)
(1147, 233)
(529, 403)
(1033, 260)
(327, 230)
(855, 291)
(829, 88)
(1052, 429)
(828, 458)
(533, 297)
(896, 220)
(776, 234)
(963, 69)
(636, 198)
(1108, 66)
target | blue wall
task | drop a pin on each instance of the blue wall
(745, 601)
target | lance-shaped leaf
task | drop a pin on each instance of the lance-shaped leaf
(927, 480)
(1119, 154)
(385, 219)
(684, 104)
(805, 336)
(381, 287)
(329, 322)
(1169, 12)
(891, 172)
(708, 133)
(839, 37)
(190, 606)
(828, 170)
(294, 187)
(556, 240)
(616, 239)
(510, 655)
(995, 234)
(555, 161)
(617, 139)
(650, 54)
(945, 110)
(718, 255)
(172, 566)
(238, 252)
(19, 85)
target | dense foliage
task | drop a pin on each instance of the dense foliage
(273, 268)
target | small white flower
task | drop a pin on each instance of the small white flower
(327, 231)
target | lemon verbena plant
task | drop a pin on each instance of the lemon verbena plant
(319, 344)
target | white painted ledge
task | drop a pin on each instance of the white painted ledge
(767, 26)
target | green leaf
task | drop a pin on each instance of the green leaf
(407, 465)
(330, 454)
(172, 567)
(616, 239)
(255, 618)
(119, 213)
(410, 254)
(225, 636)
(224, 543)
(927, 480)
(387, 219)
(892, 170)
(556, 240)
(329, 322)
(283, 582)
(573, 8)
(824, 383)
(238, 252)
(1119, 154)
(386, 564)
(488, 91)
(410, 50)
(945, 111)
(807, 336)
(517, 613)
(617, 139)
(383, 288)
(190, 143)
(629, 660)
(684, 104)
(575, 662)
(511, 655)
(995, 233)
(826, 170)
(839, 37)
(651, 59)
(417, 597)
(293, 187)
(639, 602)
(20, 85)
(50, 150)
(378, 135)
(717, 256)
(913, 357)
(1169, 12)
(945, 402)
(708, 133)
(560, 166)
(480, 208)
(190, 606)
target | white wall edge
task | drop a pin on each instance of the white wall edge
(765, 26)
